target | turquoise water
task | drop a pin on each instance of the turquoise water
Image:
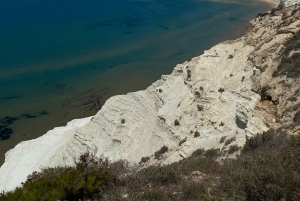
(61, 60)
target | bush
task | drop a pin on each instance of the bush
(198, 152)
(229, 141)
(144, 159)
(212, 153)
(221, 90)
(197, 94)
(196, 134)
(200, 108)
(88, 179)
(232, 149)
(159, 175)
(152, 195)
(267, 169)
(222, 139)
(258, 140)
(160, 152)
(182, 141)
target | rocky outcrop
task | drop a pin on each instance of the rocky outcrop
(224, 92)
(278, 58)
(284, 3)
(203, 100)
(233, 91)
(30, 156)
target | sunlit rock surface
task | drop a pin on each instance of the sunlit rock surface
(226, 92)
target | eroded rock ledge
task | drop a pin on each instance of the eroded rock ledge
(235, 90)
(207, 97)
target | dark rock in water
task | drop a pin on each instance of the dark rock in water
(8, 120)
(44, 113)
(240, 123)
(28, 116)
(5, 137)
(5, 133)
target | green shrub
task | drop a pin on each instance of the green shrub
(182, 141)
(222, 139)
(196, 134)
(212, 153)
(144, 159)
(221, 90)
(229, 141)
(88, 179)
(198, 152)
(176, 122)
(159, 153)
(200, 108)
(160, 175)
(154, 195)
(267, 169)
(233, 148)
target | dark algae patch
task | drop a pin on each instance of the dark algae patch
(5, 133)
(44, 113)
(28, 116)
(5, 122)
(8, 120)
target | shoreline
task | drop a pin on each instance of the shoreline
(270, 4)
(241, 36)
(19, 125)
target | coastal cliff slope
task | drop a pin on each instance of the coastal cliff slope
(202, 100)
(207, 97)
(226, 92)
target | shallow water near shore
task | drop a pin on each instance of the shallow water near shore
(62, 60)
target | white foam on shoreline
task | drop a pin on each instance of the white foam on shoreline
(29, 156)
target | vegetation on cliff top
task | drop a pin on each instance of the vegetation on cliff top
(267, 168)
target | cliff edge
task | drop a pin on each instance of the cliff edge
(235, 90)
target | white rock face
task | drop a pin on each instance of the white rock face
(203, 100)
(209, 95)
(286, 3)
(30, 156)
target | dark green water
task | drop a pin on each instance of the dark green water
(61, 60)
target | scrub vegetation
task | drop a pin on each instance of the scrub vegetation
(266, 168)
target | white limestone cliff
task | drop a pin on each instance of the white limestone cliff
(210, 95)
(30, 156)
(201, 101)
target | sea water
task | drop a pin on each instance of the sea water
(62, 59)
